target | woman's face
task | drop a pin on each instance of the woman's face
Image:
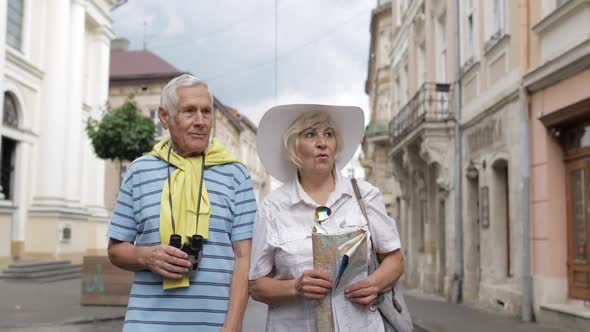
(317, 149)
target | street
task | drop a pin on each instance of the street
(254, 321)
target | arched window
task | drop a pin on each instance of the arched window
(10, 117)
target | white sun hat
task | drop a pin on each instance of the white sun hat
(349, 121)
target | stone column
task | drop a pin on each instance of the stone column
(74, 110)
(19, 224)
(50, 189)
(3, 6)
(96, 167)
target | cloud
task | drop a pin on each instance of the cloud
(322, 47)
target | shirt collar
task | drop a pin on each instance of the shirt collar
(296, 193)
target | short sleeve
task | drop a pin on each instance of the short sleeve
(383, 229)
(262, 254)
(244, 212)
(123, 224)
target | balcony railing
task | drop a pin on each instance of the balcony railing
(429, 104)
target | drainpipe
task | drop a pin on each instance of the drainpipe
(458, 183)
(527, 294)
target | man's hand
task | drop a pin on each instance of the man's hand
(313, 284)
(166, 261)
(364, 292)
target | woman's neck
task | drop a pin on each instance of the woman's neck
(317, 186)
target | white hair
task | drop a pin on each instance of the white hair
(169, 97)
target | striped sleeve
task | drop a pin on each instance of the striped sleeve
(245, 209)
(123, 225)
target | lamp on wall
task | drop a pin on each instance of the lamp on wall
(555, 132)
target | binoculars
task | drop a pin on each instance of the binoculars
(194, 249)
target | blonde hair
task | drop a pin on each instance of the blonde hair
(307, 119)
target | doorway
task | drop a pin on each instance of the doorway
(576, 143)
(578, 201)
(472, 258)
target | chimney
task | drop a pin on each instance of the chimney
(120, 44)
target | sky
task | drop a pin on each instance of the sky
(322, 47)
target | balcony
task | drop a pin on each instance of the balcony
(429, 104)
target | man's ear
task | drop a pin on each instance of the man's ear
(164, 117)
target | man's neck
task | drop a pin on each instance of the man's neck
(186, 154)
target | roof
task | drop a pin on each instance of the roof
(141, 64)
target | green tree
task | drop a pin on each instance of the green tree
(122, 134)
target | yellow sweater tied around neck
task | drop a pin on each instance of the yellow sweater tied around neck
(185, 181)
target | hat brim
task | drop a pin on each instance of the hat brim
(349, 121)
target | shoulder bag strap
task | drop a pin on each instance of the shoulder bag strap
(359, 199)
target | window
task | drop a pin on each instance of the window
(408, 4)
(406, 85)
(470, 31)
(14, 24)
(421, 65)
(498, 18)
(422, 225)
(154, 114)
(398, 12)
(549, 6)
(7, 167)
(10, 116)
(441, 49)
(494, 24)
(397, 95)
(560, 2)
(8, 148)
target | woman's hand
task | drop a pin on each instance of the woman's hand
(313, 284)
(363, 292)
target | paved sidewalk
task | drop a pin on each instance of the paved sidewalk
(52, 306)
(29, 304)
(433, 314)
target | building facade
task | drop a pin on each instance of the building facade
(557, 88)
(490, 72)
(519, 93)
(375, 162)
(427, 86)
(53, 74)
(420, 134)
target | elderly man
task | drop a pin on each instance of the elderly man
(183, 222)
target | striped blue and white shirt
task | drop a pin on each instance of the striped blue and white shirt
(202, 306)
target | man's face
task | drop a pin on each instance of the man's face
(190, 124)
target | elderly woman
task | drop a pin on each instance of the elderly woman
(306, 146)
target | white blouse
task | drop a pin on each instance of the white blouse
(281, 242)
